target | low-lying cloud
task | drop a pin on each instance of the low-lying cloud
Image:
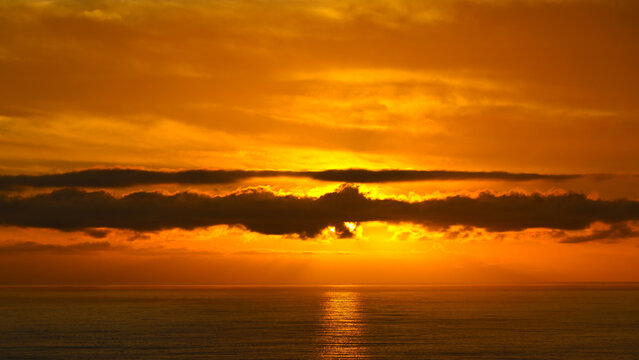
(114, 178)
(31, 247)
(267, 213)
(613, 232)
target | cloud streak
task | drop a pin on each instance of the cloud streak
(267, 213)
(32, 247)
(114, 178)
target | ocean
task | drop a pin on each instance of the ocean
(594, 321)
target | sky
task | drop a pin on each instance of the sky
(318, 142)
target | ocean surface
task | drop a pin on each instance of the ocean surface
(398, 322)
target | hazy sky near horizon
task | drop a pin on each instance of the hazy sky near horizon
(506, 132)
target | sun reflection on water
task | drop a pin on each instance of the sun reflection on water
(342, 326)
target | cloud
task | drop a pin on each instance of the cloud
(380, 176)
(614, 232)
(30, 247)
(267, 213)
(113, 178)
(471, 94)
(97, 233)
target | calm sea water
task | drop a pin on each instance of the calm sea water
(438, 322)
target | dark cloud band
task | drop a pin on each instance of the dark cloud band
(113, 178)
(267, 213)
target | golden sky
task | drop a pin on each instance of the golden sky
(193, 142)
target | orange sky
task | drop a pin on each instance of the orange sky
(537, 86)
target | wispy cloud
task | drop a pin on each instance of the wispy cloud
(98, 82)
(613, 232)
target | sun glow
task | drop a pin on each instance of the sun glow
(350, 226)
